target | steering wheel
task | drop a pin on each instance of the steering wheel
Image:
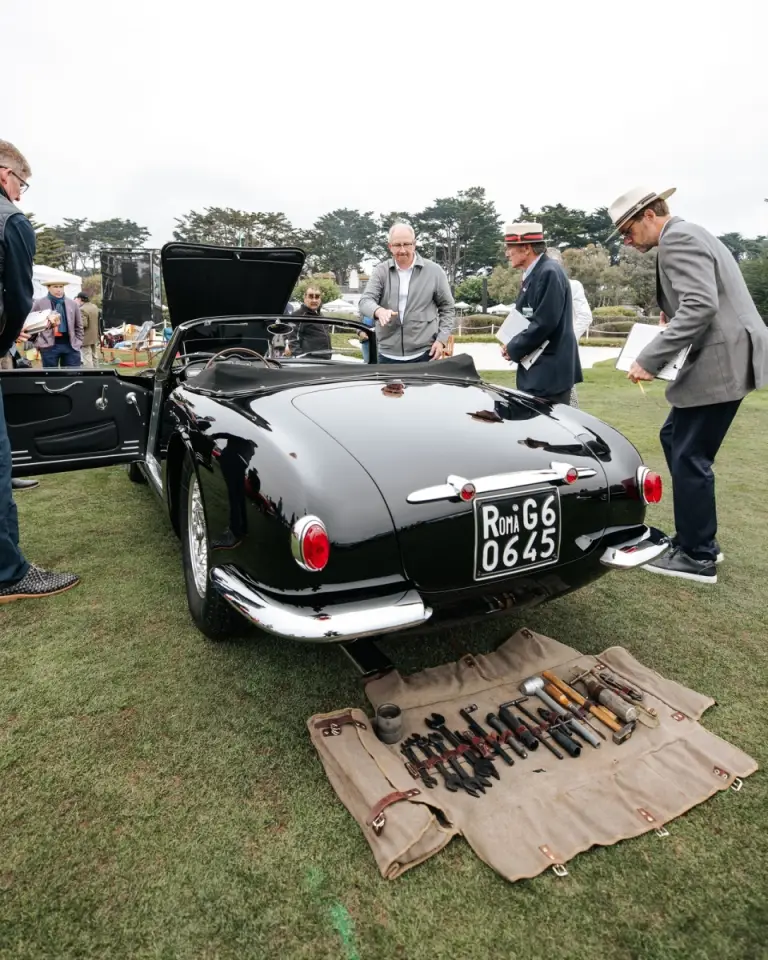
(222, 354)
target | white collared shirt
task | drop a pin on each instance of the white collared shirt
(528, 269)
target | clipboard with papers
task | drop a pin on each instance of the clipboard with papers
(638, 339)
(516, 323)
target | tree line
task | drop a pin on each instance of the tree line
(463, 233)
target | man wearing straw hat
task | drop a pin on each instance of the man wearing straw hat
(59, 344)
(705, 306)
(545, 298)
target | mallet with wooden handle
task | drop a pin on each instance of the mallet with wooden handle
(621, 733)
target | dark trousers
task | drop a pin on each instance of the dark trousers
(691, 437)
(51, 356)
(13, 566)
(421, 359)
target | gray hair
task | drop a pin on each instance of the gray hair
(12, 157)
(554, 254)
(400, 225)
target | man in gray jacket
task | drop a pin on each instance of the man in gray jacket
(410, 300)
(705, 306)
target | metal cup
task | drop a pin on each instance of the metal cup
(389, 723)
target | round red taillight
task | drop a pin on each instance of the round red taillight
(651, 489)
(310, 545)
(468, 491)
(572, 475)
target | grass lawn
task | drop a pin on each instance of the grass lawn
(159, 796)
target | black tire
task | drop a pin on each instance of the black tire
(135, 474)
(212, 614)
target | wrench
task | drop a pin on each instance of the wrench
(472, 785)
(452, 780)
(426, 778)
(480, 766)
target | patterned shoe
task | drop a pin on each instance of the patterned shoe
(38, 583)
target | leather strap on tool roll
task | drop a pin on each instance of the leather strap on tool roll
(376, 818)
(370, 778)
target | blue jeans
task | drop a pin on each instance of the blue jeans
(420, 359)
(60, 351)
(13, 566)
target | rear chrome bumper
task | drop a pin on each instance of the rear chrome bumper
(330, 624)
(641, 549)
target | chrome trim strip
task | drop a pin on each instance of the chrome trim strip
(637, 551)
(330, 624)
(498, 482)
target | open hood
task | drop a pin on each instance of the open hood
(202, 280)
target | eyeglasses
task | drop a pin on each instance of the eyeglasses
(313, 296)
(24, 184)
(402, 246)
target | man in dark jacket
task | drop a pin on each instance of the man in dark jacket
(18, 578)
(545, 300)
(314, 338)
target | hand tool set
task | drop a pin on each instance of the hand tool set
(563, 720)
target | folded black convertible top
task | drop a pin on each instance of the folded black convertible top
(229, 377)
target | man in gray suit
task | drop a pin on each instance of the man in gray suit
(410, 299)
(705, 306)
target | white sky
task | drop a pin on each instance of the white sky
(145, 110)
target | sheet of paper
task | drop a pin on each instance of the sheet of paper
(514, 324)
(638, 339)
(529, 361)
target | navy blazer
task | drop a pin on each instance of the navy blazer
(545, 296)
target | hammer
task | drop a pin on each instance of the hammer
(534, 687)
(620, 733)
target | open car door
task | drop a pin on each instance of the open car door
(72, 419)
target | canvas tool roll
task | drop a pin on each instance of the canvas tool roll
(542, 811)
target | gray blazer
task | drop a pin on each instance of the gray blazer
(429, 312)
(701, 290)
(74, 324)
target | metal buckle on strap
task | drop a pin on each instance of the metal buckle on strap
(378, 823)
(332, 726)
(558, 867)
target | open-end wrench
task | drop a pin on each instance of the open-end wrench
(452, 781)
(480, 766)
(426, 778)
(472, 785)
(475, 727)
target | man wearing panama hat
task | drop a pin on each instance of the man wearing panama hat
(706, 306)
(59, 344)
(545, 299)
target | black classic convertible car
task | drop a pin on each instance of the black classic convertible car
(331, 500)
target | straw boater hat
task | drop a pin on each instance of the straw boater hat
(631, 203)
(518, 233)
(55, 282)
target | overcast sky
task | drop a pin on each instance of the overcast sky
(146, 109)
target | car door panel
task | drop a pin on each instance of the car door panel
(74, 419)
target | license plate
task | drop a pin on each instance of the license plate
(516, 533)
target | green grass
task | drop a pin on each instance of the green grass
(159, 796)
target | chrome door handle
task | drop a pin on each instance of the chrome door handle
(101, 403)
(44, 385)
(133, 401)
